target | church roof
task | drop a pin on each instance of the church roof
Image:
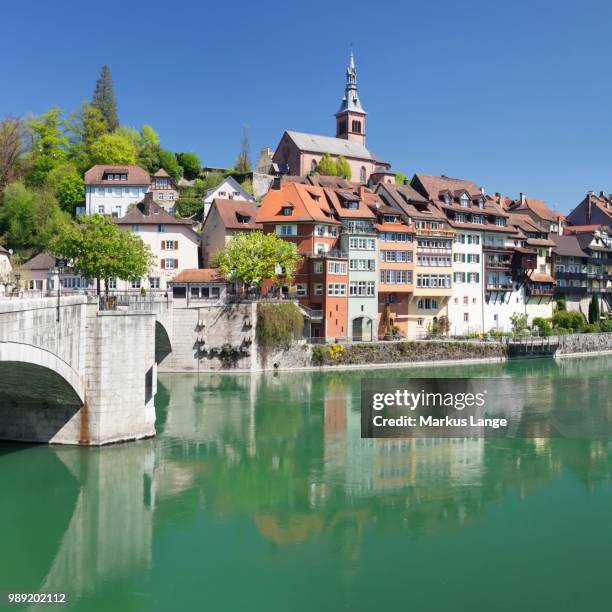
(315, 143)
(350, 101)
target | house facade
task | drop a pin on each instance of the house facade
(110, 190)
(164, 190)
(593, 210)
(228, 189)
(224, 219)
(173, 242)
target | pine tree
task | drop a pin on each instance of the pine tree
(104, 98)
(243, 163)
(594, 310)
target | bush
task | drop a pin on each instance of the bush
(590, 328)
(569, 319)
(186, 207)
(519, 322)
(563, 331)
(606, 325)
(543, 326)
(561, 303)
(278, 325)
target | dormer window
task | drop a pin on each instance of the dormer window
(243, 218)
(287, 211)
(480, 202)
(391, 218)
(464, 200)
(447, 199)
(500, 221)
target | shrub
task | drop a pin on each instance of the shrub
(519, 322)
(590, 328)
(563, 331)
(278, 325)
(334, 350)
(606, 325)
(186, 207)
(561, 303)
(570, 319)
(543, 326)
(594, 309)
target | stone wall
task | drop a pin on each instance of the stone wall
(585, 343)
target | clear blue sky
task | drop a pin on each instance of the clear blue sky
(517, 98)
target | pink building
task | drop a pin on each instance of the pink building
(299, 153)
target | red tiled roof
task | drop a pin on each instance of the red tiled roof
(162, 173)
(434, 185)
(309, 204)
(135, 175)
(577, 229)
(201, 275)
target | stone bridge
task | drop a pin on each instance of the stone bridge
(76, 374)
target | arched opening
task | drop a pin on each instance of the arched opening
(356, 127)
(163, 346)
(362, 174)
(362, 330)
(313, 166)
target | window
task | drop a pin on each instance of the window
(336, 267)
(318, 267)
(160, 196)
(286, 230)
(171, 195)
(362, 288)
(169, 245)
(318, 289)
(362, 264)
(500, 221)
(464, 200)
(466, 300)
(112, 283)
(135, 284)
(169, 264)
(478, 219)
(161, 228)
(287, 211)
(135, 227)
(301, 289)
(396, 277)
(466, 317)
(356, 126)
(364, 244)
(396, 256)
(321, 247)
(313, 166)
(362, 174)
(420, 321)
(154, 282)
(336, 289)
(101, 209)
(442, 281)
(427, 304)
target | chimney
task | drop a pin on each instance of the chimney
(362, 191)
(146, 203)
(276, 183)
(523, 198)
(482, 190)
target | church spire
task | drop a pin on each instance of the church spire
(351, 102)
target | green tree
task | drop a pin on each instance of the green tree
(99, 249)
(29, 217)
(342, 168)
(519, 322)
(186, 207)
(70, 192)
(131, 134)
(243, 162)
(191, 165)
(168, 162)
(12, 150)
(84, 127)
(113, 149)
(212, 180)
(255, 257)
(104, 99)
(247, 185)
(49, 144)
(148, 136)
(326, 166)
(594, 309)
(400, 178)
(561, 303)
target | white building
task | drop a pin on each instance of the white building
(228, 189)
(109, 190)
(173, 242)
(5, 270)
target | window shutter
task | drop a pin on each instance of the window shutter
(176, 245)
(163, 264)
(163, 245)
(176, 264)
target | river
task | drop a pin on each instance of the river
(258, 493)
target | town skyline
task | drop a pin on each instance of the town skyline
(548, 142)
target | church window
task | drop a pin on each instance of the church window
(362, 174)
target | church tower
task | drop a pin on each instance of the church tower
(350, 119)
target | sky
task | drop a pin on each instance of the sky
(515, 96)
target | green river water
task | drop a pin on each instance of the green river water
(259, 494)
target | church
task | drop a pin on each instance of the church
(299, 153)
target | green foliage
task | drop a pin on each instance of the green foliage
(12, 149)
(278, 325)
(606, 325)
(594, 309)
(247, 185)
(243, 161)
(70, 192)
(104, 99)
(148, 136)
(191, 165)
(113, 149)
(186, 207)
(84, 127)
(29, 217)
(561, 303)
(544, 327)
(573, 320)
(590, 328)
(342, 168)
(253, 257)
(100, 250)
(400, 178)
(49, 145)
(326, 166)
(212, 180)
(439, 327)
(168, 162)
(519, 322)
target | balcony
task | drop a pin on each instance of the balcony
(358, 227)
(333, 254)
(571, 275)
(498, 264)
(434, 251)
(435, 232)
(570, 290)
(535, 290)
(499, 287)
(314, 314)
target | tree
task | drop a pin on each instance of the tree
(243, 162)
(212, 180)
(84, 127)
(561, 303)
(247, 185)
(48, 148)
(326, 166)
(148, 136)
(168, 162)
(400, 178)
(12, 148)
(99, 249)
(113, 149)
(70, 192)
(186, 207)
(519, 322)
(255, 257)
(29, 217)
(191, 165)
(104, 99)
(342, 168)
(594, 309)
